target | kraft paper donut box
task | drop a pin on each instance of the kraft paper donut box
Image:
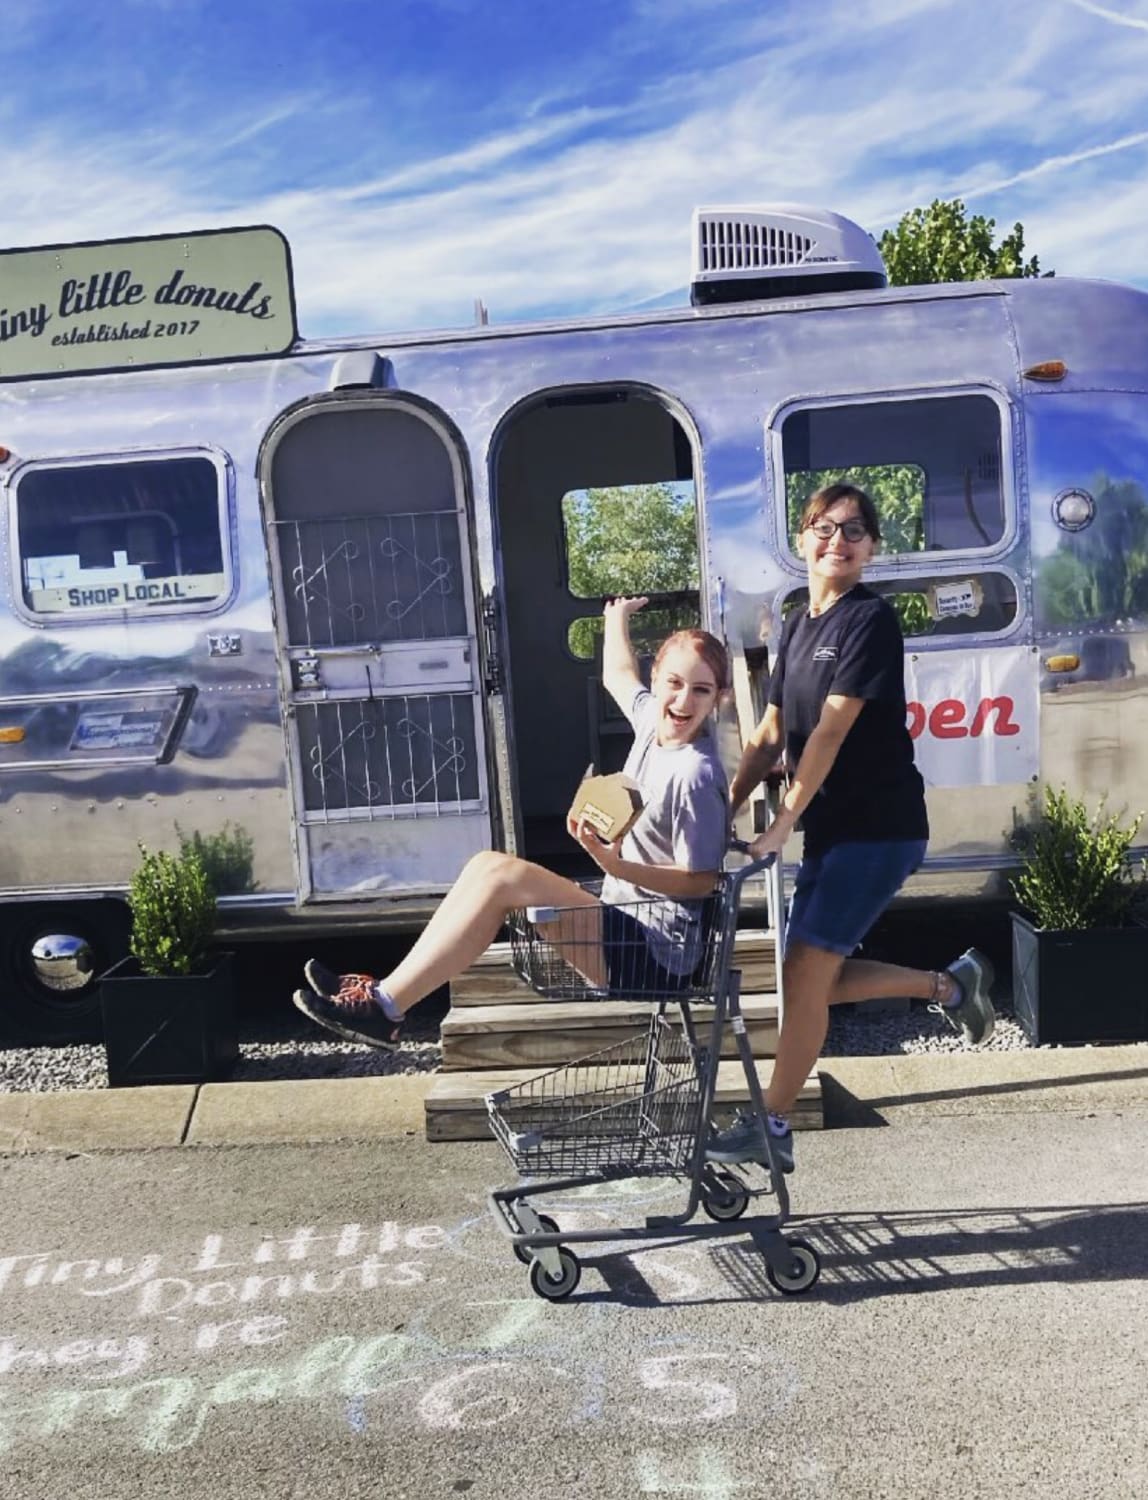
(611, 805)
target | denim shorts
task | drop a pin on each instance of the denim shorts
(838, 895)
(632, 968)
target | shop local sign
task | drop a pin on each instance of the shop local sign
(974, 716)
(129, 304)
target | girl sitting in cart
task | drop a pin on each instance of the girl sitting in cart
(645, 932)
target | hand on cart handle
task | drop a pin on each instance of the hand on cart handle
(768, 845)
(756, 866)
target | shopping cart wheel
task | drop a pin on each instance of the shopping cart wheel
(725, 1197)
(547, 1226)
(554, 1288)
(803, 1270)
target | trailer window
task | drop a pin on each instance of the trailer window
(142, 535)
(632, 539)
(928, 607)
(647, 630)
(931, 464)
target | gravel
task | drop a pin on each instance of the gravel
(288, 1046)
(282, 1046)
(864, 1031)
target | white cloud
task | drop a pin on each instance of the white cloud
(1107, 14)
(871, 108)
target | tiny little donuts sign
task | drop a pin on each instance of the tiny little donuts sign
(130, 304)
(974, 717)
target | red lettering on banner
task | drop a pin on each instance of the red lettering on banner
(946, 719)
(1003, 722)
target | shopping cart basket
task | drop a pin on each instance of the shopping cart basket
(643, 1107)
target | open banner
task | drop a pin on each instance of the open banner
(974, 715)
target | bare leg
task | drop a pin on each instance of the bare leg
(469, 916)
(809, 977)
(861, 979)
(814, 980)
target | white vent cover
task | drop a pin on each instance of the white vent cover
(781, 241)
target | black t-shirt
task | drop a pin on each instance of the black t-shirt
(855, 649)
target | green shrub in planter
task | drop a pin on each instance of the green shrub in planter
(169, 1012)
(1079, 963)
(1076, 873)
(172, 902)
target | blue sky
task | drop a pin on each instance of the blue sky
(545, 155)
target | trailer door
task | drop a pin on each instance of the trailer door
(369, 542)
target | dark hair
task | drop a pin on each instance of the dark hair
(707, 646)
(826, 498)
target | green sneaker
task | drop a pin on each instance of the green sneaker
(973, 1015)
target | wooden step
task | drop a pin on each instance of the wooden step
(491, 980)
(551, 1032)
(456, 1102)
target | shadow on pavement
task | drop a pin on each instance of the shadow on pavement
(894, 1254)
(844, 1108)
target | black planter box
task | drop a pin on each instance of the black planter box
(1089, 986)
(168, 1028)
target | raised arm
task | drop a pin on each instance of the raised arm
(619, 667)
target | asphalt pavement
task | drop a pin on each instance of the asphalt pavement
(344, 1319)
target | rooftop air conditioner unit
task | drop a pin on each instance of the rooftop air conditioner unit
(779, 250)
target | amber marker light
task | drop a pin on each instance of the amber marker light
(13, 736)
(1049, 369)
(1065, 663)
(5, 454)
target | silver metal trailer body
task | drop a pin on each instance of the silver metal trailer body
(369, 673)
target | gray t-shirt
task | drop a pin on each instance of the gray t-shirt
(684, 822)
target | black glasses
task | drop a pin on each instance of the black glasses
(852, 530)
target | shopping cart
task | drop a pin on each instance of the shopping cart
(642, 1107)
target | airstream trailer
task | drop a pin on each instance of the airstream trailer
(329, 603)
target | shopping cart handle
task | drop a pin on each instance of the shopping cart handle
(755, 867)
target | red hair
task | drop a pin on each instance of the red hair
(707, 646)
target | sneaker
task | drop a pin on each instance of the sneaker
(348, 1005)
(742, 1142)
(973, 1014)
(328, 984)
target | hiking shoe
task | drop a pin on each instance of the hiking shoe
(348, 1005)
(742, 1142)
(973, 1015)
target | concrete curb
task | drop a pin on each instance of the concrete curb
(858, 1091)
(882, 1090)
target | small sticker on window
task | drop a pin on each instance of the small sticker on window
(948, 599)
(129, 729)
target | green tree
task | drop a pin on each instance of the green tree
(631, 539)
(1100, 573)
(943, 243)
